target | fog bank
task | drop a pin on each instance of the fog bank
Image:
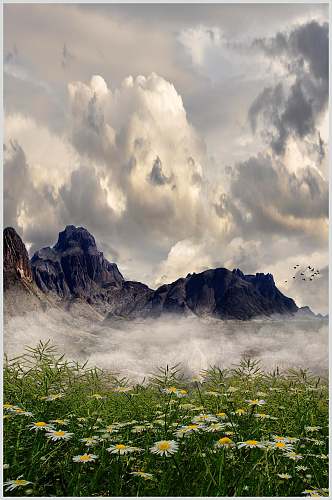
(137, 348)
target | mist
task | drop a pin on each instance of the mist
(137, 348)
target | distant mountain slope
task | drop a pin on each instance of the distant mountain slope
(75, 270)
(221, 293)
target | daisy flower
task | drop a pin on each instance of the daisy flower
(58, 435)
(240, 411)
(52, 397)
(221, 415)
(111, 429)
(312, 428)
(60, 421)
(87, 457)
(35, 426)
(251, 443)
(12, 484)
(278, 438)
(290, 439)
(137, 429)
(142, 474)
(122, 449)
(20, 411)
(90, 441)
(281, 445)
(182, 393)
(301, 468)
(294, 456)
(224, 442)
(284, 476)
(164, 448)
(188, 429)
(8, 406)
(215, 427)
(204, 418)
(255, 402)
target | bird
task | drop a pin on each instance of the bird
(293, 277)
(302, 274)
(303, 279)
(285, 281)
(310, 279)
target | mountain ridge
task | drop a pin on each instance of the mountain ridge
(74, 269)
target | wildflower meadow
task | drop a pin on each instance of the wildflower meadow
(70, 430)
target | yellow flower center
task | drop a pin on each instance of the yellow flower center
(164, 445)
(251, 442)
(8, 405)
(19, 410)
(221, 414)
(280, 445)
(183, 391)
(225, 440)
(40, 424)
(192, 426)
(120, 446)
(172, 389)
(59, 433)
(240, 411)
(84, 457)
(20, 482)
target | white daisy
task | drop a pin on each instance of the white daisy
(251, 443)
(36, 426)
(90, 441)
(12, 484)
(224, 442)
(86, 457)
(122, 449)
(58, 435)
(164, 448)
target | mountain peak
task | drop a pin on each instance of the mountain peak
(72, 237)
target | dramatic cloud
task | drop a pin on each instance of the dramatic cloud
(267, 198)
(217, 156)
(295, 107)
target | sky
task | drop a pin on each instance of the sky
(183, 137)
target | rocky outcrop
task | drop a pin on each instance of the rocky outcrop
(16, 265)
(21, 295)
(74, 267)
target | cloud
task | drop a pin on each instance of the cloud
(267, 198)
(294, 106)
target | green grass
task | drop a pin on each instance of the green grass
(295, 402)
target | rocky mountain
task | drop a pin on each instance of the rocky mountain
(21, 295)
(74, 269)
(220, 293)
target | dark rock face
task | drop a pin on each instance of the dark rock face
(16, 265)
(74, 267)
(221, 293)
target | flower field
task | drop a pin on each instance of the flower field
(74, 431)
